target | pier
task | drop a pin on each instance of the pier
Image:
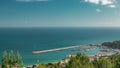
(56, 49)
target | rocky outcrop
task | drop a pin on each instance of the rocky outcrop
(114, 44)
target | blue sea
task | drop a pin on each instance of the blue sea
(26, 40)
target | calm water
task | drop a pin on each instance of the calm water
(27, 40)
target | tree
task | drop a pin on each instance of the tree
(19, 60)
(95, 63)
(116, 60)
(41, 66)
(11, 59)
(73, 63)
(5, 60)
(102, 63)
(56, 65)
(80, 61)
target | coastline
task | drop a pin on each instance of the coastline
(88, 48)
(46, 38)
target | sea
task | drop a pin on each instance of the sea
(26, 40)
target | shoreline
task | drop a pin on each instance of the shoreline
(89, 47)
(88, 50)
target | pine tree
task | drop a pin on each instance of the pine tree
(11, 58)
(5, 60)
(19, 60)
(9, 61)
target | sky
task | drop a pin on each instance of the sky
(59, 13)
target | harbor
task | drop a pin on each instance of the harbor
(56, 49)
(92, 48)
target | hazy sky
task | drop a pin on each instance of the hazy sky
(40, 13)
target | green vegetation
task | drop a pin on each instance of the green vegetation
(102, 63)
(14, 60)
(10, 60)
(82, 61)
